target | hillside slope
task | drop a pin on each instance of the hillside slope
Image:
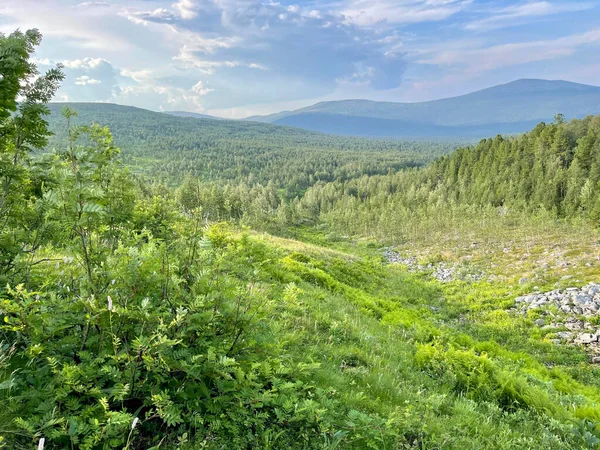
(169, 147)
(510, 108)
(551, 172)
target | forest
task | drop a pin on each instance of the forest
(200, 284)
(168, 147)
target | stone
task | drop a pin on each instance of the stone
(586, 338)
(596, 360)
(523, 280)
(593, 290)
(540, 322)
(574, 326)
(564, 335)
(582, 299)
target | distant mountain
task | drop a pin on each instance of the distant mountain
(191, 114)
(505, 109)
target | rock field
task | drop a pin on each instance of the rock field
(569, 313)
(441, 271)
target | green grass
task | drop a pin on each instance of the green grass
(442, 365)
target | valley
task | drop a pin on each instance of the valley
(177, 282)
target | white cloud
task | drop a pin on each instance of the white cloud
(186, 8)
(524, 13)
(146, 17)
(85, 63)
(370, 12)
(208, 66)
(140, 76)
(82, 27)
(505, 55)
(192, 42)
(84, 80)
(200, 89)
(92, 4)
(155, 95)
(42, 61)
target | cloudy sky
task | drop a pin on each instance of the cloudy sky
(236, 58)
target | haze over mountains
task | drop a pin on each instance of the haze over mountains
(511, 108)
(191, 114)
(505, 109)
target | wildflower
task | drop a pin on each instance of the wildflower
(134, 423)
(41, 444)
(110, 305)
(113, 281)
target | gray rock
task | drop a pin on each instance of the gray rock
(540, 322)
(586, 338)
(583, 299)
(524, 280)
(574, 326)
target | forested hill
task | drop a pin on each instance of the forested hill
(169, 147)
(554, 169)
(505, 109)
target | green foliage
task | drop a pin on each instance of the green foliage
(550, 173)
(23, 97)
(131, 318)
(179, 362)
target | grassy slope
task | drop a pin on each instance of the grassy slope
(443, 365)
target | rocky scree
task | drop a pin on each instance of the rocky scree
(568, 313)
(443, 272)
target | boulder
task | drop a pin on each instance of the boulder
(586, 338)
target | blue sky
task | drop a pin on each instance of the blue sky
(236, 58)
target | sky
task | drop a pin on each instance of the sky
(237, 58)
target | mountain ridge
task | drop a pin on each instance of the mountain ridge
(511, 108)
(192, 115)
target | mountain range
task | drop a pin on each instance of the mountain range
(510, 108)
